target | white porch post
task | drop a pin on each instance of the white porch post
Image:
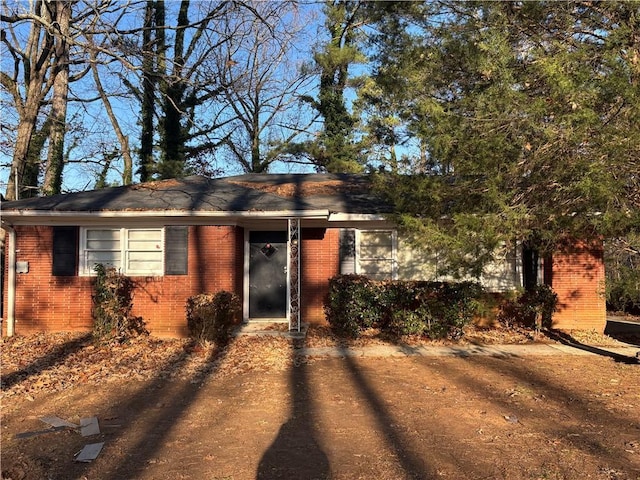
(293, 274)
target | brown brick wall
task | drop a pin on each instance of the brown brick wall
(578, 278)
(45, 302)
(216, 260)
(320, 261)
(215, 263)
(48, 303)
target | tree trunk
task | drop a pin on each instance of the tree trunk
(19, 162)
(39, 53)
(172, 164)
(127, 173)
(55, 157)
(148, 94)
(27, 122)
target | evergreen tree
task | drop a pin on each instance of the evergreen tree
(336, 149)
(530, 115)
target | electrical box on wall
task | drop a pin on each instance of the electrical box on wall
(22, 267)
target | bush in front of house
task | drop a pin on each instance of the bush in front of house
(211, 316)
(352, 304)
(433, 309)
(450, 307)
(408, 323)
(112, 305)
(532, 308)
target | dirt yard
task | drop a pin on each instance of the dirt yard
(256, 410)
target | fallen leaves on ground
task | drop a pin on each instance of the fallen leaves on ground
(589, 337)
(56, 361)
(255, 353)
(322, 336)
(498, 334)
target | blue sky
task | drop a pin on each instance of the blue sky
(94, 135)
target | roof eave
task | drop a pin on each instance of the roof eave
(33, 217)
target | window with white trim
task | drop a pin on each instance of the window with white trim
(132, 251)
(377, 254)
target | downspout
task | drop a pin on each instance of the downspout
(11, 280)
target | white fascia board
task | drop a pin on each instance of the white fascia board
(40, 217)
(357, 217)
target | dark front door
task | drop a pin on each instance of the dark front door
(268, 275)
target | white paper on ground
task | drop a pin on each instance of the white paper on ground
(57, 422)
(89, 452)
(89, 426)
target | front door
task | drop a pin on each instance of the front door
(267, 275)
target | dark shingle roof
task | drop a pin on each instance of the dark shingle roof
(344, 193)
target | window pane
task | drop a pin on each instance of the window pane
(144, 261)
(375, 254)
(103, 239)
(110, 234)
(135, 251)
(108, 259)
(376, 238)
(144, 240)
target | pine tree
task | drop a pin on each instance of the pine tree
(335, 149)
(530, 115)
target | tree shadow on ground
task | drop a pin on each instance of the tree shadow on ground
(412, 464)
(47, 362)
(566, 339)
(172, 401)
(574, 423)
(296, 452)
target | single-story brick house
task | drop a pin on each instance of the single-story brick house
(275, 239)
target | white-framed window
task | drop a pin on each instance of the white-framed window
(132, 251)
(376, 254)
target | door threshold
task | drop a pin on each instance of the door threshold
(275, 329)
(267, 320)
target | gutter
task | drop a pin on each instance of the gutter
(11, 280)
(28, 217)
(318, 214)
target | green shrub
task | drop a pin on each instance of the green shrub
(352, 304)
(395, 297)
(488, 307)
(622, 294)
(210, 317)
(533, 308)
(450, 306)
(112, 304)
(623, 290)
(406, 322)
(434, 309)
